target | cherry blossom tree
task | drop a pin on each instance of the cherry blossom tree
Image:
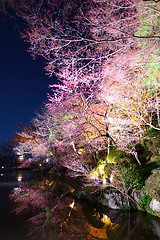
(82, 38)
(92, 47)
(82, 35)
(133, 102)
(31, 144)
(103, 53)
(79, 35)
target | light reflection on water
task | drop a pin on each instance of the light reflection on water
(61, 217)
(15, 177)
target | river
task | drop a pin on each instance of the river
(68, 218)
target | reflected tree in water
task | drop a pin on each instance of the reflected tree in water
(54, 214)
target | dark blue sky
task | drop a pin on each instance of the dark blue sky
(23, 82)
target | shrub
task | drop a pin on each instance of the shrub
(115, 155)
(145, 200)
(151, 140)
(131, 175)
(152, 186)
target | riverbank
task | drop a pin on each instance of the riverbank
(120, 183)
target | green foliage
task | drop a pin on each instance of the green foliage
(126, 207)
(144, 201)
(67, 117)
(135, 176)
(149, 19)
(138, 181)
(102, 199)
(151, 140)
(152, 186)
(131, 175)
(109, 167)
(48, 213)
(151, 132)
(152, 79)
(53, 135)
(147, 169)
(152, 212)
(147, 38)
(58, 126)
(115, 155)
(142, 173)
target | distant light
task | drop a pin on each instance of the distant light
(47, 160)
(19, 177)
(1, 174)
(2, 166)
(40, 164)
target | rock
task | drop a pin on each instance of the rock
(156, 170)
(106, 195)
(115, 200)
(137, 195)
(155, 205)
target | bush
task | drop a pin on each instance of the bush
(151, 140)
(145, 201)
(115, 155)
(131, 175)
(152, 186)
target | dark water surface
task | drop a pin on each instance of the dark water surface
(84, 220)
(11, 226)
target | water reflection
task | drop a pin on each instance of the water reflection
(15, 177)
(53, 213)
(56, 215)
(11, 226)
(122, 225)
(20, 176)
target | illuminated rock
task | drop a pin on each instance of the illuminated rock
(155, 205)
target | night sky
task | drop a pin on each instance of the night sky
(23, 82)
